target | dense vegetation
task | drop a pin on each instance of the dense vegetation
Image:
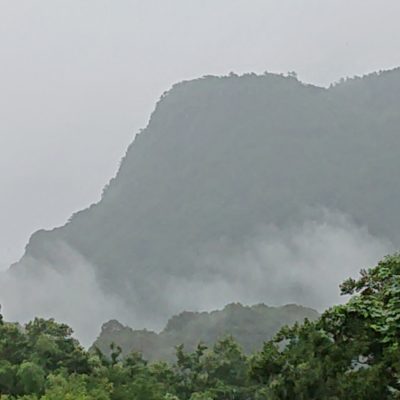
(249, 326)
(351, 352)
(220, 158)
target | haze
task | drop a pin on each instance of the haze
(79, 78)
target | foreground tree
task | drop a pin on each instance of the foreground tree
(352, 351)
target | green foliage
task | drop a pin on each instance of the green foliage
(76, 387)
(7, 376)
(31, 378)
(217, 373)
(53, 346)
(28, 355)
(351, 352)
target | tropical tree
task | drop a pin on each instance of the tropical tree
(352, 351)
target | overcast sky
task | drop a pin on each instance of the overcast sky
(78, 78)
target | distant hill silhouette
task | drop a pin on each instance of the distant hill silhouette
(249, 326)
(221, 158)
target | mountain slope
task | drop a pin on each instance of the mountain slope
(223, 162)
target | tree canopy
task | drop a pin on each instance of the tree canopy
(351, 352)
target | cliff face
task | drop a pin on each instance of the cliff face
(220, 159)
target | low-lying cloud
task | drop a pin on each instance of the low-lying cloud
(303, 263)
(70, 294)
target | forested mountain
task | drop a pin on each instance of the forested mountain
(222, 161)
(249, 326)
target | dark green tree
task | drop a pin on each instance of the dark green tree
(352, 351)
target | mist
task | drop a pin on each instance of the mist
(303, 264)
(70, 295)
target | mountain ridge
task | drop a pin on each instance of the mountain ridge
(221, 159)
(250, 326)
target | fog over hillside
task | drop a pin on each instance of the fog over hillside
(241, 188)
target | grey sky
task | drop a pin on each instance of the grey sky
(78, 78)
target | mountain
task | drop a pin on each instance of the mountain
(241, 188)
(249, 326)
